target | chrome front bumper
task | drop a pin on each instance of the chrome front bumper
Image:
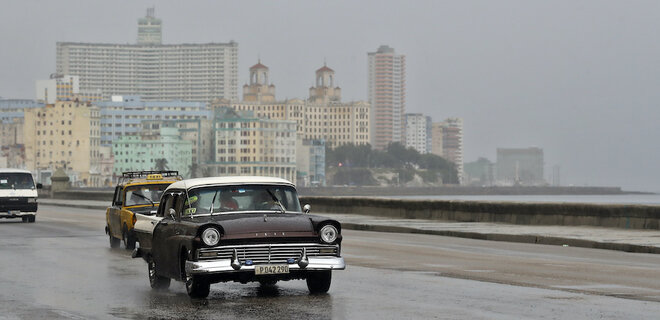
(16, 214)
(225, 266)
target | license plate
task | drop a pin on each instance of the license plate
(14, 212)
(271, 269)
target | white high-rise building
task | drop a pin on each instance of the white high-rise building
(418, 132)
(154, 71)
(387, 96)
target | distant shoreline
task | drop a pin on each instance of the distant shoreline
(461, 190)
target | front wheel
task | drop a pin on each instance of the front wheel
(114, 242)
(129, 241)
(157, 282)
(32, 218)
(197, 287)
(319, 281)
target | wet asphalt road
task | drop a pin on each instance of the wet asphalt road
(61, 267)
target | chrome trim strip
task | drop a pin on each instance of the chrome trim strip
(224, 265)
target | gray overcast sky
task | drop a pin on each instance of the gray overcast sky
(579, 79)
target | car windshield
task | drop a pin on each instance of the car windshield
(144, 194)
(16, 180)
(241, 198)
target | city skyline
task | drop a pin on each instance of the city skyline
(577, 80)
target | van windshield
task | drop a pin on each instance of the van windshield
(16, 180)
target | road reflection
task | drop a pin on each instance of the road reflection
(284, 300)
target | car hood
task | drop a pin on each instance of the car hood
(258, 225)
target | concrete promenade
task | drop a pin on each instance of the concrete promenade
(630, 240)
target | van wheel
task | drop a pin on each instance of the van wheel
(32, 218)
(129, 242)
(25, 219)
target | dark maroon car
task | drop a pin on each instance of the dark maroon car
(237, 229)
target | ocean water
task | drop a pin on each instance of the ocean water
(643, 199)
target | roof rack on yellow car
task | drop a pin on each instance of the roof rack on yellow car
(148, 175)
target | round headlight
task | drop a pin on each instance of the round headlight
(329, 233)
(211, 237)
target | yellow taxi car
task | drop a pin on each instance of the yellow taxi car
(138, 192)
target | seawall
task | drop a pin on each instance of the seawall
(568, 214)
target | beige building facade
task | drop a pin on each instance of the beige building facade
(322, 117)
(65, 135)
(247, 145)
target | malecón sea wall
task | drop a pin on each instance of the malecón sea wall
(569, 214)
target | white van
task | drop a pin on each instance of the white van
(18, 195)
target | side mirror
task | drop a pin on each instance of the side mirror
(172, 213)
(307, 208)
(40, 186)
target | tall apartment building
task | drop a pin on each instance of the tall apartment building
(155, 71)
(418, 132)
(143, 152)
(387, 96)
(450, 132)
(64, 87)
(436, 139)
(522, 166)
(64, 135)
(123, 115)
(322, 117)
(246, 145)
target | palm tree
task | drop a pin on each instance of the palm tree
(193, 170)
(161, 164)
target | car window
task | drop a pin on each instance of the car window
(144, 194)
(117, 196)
(168, 202)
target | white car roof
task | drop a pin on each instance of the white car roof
(227, 180)
(4, 170)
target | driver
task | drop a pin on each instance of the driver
(265, 202)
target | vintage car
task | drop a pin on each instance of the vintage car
(239, 229)
(138, 192)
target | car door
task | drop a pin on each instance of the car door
(164, 247)
(114, 217)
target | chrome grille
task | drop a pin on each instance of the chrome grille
(269, 253)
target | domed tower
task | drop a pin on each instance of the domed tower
(324, 91)
(259, 90)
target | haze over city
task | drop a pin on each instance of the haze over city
(578, 79)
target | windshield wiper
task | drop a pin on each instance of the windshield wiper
(145, 198)
(277, 201)
(213, 201)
